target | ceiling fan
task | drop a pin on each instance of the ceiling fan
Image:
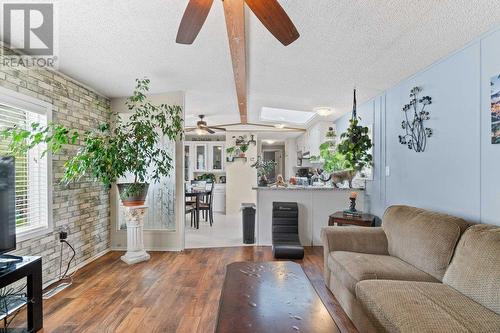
(202, 127)
(269, 12)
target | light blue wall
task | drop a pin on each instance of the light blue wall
(459, 173)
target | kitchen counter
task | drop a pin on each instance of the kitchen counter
(316, 203)
(305, 188)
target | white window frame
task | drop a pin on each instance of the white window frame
(31, 104)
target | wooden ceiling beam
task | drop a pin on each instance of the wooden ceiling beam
(235, 23)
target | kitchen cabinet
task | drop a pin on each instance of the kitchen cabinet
(200, 157)
(219, 200)
(188, 164)
(216, 156)
(203, 156)
(313, 138)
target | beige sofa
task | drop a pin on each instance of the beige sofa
(420, 272)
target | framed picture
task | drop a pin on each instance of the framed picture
(495, 109)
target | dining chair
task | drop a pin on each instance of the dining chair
(190, 209)
(206, 207)
(190, 206)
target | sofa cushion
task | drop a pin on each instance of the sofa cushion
(422, 238)
(475, 267)
(401, 306)
(352, 267)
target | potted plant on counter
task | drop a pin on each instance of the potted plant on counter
(132, 147)
(264, 169)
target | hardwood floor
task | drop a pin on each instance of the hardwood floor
(173, 292)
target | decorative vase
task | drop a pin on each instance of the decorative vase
(133, 194)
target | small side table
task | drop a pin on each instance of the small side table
(365, 220)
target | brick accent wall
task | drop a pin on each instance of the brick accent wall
(81, 207)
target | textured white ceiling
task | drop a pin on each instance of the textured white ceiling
(370, 44)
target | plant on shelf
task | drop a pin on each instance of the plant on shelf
(356, 143)
(264, 169)
(231, 152)
(108, 153)
(243, 149)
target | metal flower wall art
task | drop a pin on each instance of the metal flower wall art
(416, 133)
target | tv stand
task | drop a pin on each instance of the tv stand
(31, 269)
(9, 258)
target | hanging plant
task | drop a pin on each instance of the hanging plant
(356, 143)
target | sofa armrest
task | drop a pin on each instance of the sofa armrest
(352, 239)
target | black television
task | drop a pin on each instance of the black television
(7, 205)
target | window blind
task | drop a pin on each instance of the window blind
(31, 171)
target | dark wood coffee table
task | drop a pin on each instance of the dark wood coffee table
(271, 297)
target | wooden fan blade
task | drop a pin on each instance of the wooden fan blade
(275, 19)
(189, 129)
(195, 15)
(209, 130)
(228, 125)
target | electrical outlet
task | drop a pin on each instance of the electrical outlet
(63, 235)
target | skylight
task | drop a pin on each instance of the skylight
(286, 116)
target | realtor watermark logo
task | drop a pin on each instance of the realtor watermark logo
(28, 29)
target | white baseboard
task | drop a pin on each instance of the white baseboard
(80, 265)
(160, 249)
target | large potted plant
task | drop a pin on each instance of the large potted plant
(140, 143)
(108, 153)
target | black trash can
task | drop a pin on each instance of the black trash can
(248, 215)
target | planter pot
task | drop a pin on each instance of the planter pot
(133, 194)
(242, 155)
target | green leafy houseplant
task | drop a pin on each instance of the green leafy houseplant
(231, 152)
(207, 176)
(332, 160)
(356, 143)
(108, 153)
(243, 149)
(264, 169)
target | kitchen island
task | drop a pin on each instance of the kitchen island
(315, 203)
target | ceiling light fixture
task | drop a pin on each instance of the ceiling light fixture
(269, 142)
(200, 131)
(323, 111)
(280, 126)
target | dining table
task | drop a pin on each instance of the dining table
(198, 194)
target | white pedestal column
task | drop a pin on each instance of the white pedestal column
(135, 240)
